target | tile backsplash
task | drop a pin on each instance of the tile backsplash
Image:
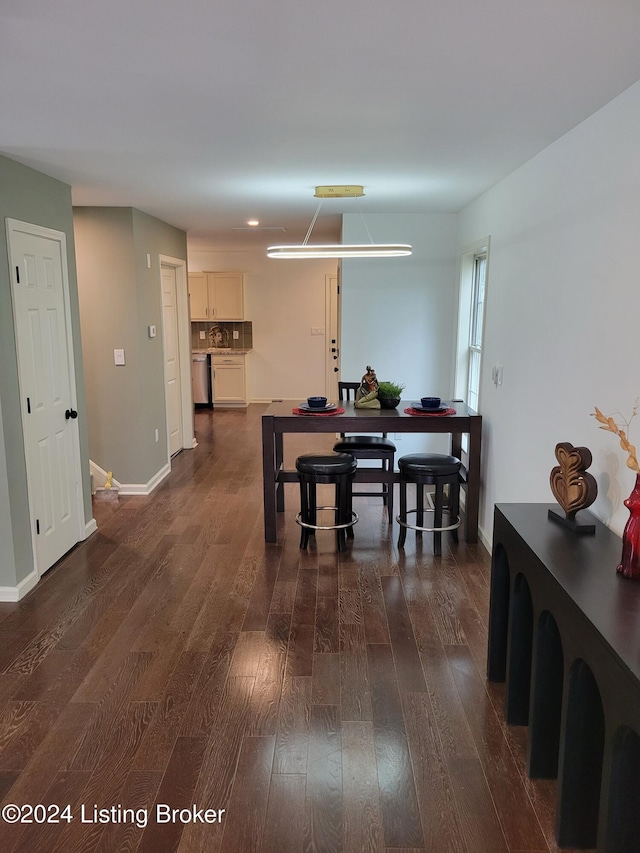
(224, 337)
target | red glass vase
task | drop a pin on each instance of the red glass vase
(630, 562)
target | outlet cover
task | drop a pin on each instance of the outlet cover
(317, 330)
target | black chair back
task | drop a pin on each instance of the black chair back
(347, 391)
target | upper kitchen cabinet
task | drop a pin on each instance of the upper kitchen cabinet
(216, 295)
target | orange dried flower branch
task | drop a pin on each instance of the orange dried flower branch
(609, 424)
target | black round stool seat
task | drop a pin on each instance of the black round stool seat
(427, 469)
(428, 464)
(326, 464)
(327, 467)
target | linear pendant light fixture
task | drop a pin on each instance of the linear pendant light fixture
(339, 250)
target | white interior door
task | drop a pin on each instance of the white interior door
(173, 389)
(38, 259)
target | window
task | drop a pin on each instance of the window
(476, 328)
(473, 281)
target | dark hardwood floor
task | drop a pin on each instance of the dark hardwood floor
(325, 702)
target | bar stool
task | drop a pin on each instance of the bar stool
(426, 469)
(329, 467)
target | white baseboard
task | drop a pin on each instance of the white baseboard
(15, 593)
(90, 527)
(488, 544)
(131, 488)
(155, 481)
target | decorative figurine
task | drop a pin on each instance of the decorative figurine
(367, 393)
(108, 492)
(573, 487)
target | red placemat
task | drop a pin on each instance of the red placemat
(417, 413)
(336, 411)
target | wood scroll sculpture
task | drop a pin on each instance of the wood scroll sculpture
(573, 487)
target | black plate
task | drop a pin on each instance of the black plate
(433, 410)
(307, 408)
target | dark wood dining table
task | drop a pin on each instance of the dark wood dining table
(279, 419)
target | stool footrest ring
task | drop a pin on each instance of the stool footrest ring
(445, 511)
(354, 520)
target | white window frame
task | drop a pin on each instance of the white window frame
(470, 316)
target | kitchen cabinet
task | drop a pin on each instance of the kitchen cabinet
(198, 298)
(216, 296)
(229, 380)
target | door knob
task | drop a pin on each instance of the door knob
(70, 413)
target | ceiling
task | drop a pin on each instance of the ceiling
(205, 113)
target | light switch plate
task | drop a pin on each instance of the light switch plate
(152, 331)
(118, 356)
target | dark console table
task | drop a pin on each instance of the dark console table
(564, 633)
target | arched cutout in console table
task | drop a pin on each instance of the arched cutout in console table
(546, 708)
(519, 654)
(581, 759)
(624, 793)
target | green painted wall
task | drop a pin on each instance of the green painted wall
(119, 298)
(31, 197)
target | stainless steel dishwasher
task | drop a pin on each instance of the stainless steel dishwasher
(201, 379)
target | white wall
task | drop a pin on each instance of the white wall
(283, 300)
(563, 309)
(399, 314)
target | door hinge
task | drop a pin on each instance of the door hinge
(38, 526)
(18, 275)
(28, 406)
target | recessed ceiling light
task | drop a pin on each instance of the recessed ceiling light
(252, 222)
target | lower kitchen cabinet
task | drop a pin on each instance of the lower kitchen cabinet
(229, 380)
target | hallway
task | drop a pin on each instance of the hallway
(325, 702)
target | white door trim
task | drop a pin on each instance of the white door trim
(15, 225)
(184, 348)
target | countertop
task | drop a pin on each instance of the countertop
(223, 351)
